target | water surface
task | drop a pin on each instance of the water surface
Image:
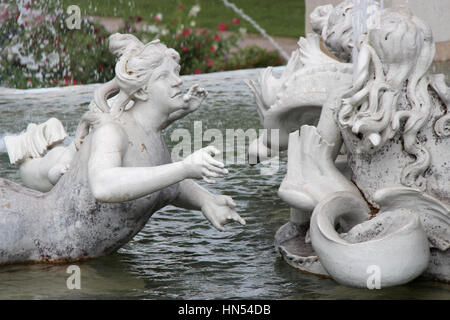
(178, 254)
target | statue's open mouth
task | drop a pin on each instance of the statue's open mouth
(176, 94)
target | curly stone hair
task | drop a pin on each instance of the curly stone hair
(395, 55)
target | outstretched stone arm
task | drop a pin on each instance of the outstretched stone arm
(217, 209)
(110, 182)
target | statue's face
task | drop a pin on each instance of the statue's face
(164, 86)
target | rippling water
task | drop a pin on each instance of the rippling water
(178, 255)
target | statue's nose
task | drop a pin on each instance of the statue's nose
(177, 82)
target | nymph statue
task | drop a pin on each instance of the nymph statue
(100, 190)
(385, 210)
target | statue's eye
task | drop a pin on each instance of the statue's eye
(162, 76)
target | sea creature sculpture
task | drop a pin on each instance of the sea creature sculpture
(27, 149)
(391, 213)
(297, 96)
(119, 170)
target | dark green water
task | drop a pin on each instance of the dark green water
(178, 255)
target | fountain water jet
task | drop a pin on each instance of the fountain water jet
(362, 11)
(257, 27)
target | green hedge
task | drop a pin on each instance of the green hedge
(39, 50)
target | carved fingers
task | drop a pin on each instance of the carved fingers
(201, 164)
(194, 97)
(221, 211)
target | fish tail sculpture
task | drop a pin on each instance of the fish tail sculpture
(393, 244)
(35, 141)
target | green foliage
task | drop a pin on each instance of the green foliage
(284, 18)
(38, 50)
(201, 50)
(252, 57)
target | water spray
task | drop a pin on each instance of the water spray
(362, 10)
(257, 27)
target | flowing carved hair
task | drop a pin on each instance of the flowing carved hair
(134, 67)
(395, 55)
(336, 26)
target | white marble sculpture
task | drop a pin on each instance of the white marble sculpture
(117, 172)
(41, 154)
(387, 208)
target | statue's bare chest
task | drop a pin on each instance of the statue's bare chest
(145, 149)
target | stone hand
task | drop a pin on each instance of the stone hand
(201, 164)
(57, 171)
(194, 97)
(220, 210)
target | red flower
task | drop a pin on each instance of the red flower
(138, 18)
(27, 6)
(156, 18)
(74, 82)
(235, 21)
(204, 31)
(197, 46)
(30, 80)
(212, 48)
(197, 71)
(180, 7)
(222, 27)
(210, 63)
(216, 37)
(185, 48)
(186, 32)
(101, 67)
(95, 30)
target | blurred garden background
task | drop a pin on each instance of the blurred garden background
(42, 46)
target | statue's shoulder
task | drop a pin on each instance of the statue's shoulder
(110, 134)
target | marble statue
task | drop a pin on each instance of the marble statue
(41, 154)
(368, 183)
(90, 197)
